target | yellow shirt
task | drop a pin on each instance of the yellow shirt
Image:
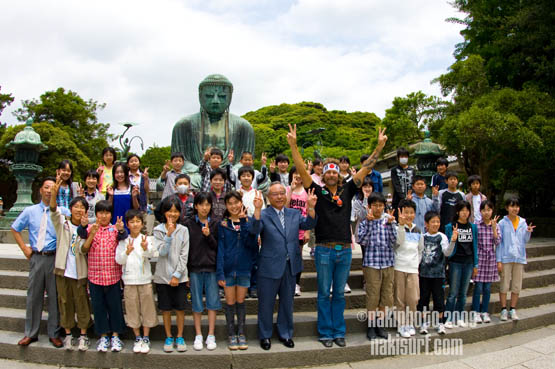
(515, 222)
(106, 181)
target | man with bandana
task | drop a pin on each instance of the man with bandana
(333, 236)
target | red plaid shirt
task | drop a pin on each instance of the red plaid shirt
(103, 269)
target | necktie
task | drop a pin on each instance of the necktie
(42, 230)
(282, 218)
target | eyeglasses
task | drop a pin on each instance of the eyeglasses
(277, 193)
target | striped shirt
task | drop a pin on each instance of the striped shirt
(378, 237)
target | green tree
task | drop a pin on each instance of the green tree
(5, 101)
(351, 134)
(60, 146)
(508, 138)
(515, 38)
(409, 116)
(76, 116)
(154, 158)
(465, 82)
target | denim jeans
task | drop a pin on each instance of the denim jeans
(332, 267)
(207, 282)
(459, 276)
(481, 289)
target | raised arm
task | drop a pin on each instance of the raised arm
(297, 158)
(88, 242)
(367, 166)
(54, 193)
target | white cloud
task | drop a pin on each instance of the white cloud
(145, 59)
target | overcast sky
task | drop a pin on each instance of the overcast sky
(145, 59)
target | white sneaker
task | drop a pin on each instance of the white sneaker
(424, 328)
(411, 330)
(441, 329)
(477, 318)
(512, 314)
(486, 318)
(504, 315)
(138, 345)
(347, 288)
(83, 343)
(297, 290)
(103, 344)
(145, 347)
(197, 345)
(117, 344)
(448, 324)
(461, 323)
(211, 342)
(68, 342)
(403, 331)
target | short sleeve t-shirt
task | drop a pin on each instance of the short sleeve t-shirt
(476, 202)
(298, 201)
(107, 180)
(71, 266)
(432, 264)
(334, 216)
(464, 253)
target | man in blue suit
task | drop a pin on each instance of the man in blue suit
(279, 261)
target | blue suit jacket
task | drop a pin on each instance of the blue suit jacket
(277, 243)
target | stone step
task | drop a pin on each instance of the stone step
(309, 281)
(307, 351)
(305, 322)
(19, 279)
(13, 290)
(14, 260)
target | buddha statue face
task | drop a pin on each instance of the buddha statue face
(215, 99)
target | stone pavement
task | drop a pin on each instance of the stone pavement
(533, 349)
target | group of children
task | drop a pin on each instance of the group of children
(204, 242)
(409, 256)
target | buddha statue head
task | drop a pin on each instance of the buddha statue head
(215, 95)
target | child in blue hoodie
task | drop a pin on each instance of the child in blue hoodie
(511, 255)
(234, 263)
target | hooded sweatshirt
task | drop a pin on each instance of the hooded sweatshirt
(512, 248)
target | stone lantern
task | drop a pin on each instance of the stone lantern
(426, 154)
(27, 146)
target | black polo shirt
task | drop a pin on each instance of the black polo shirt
(334, 221)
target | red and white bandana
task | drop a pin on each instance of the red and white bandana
(331, 166)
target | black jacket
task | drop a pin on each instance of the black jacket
(203, 250)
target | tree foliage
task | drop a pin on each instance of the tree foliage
(409, 116)
(5, 101)
(76, 116)
(350, 134)
(502, 120)
(515, 38)
(154, 158)
(60, 146)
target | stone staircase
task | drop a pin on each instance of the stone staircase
(536, 308)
